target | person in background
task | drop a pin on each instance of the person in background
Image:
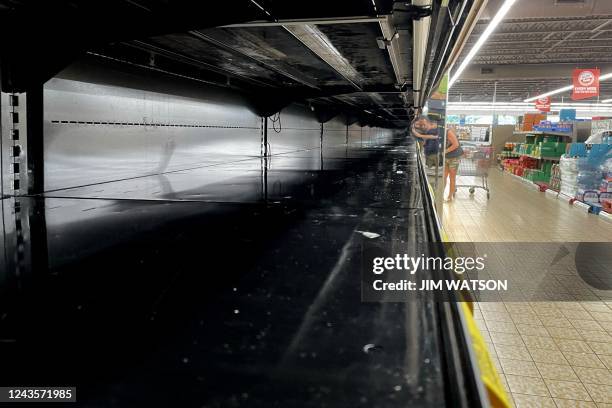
(423, 128)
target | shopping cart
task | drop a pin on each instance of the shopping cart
(475, 163)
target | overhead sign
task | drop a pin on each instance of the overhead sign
(543, 104)
(567, 115)
(586, 83)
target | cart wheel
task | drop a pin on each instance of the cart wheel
(471, 190)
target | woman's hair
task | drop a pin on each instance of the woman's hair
(425, 118)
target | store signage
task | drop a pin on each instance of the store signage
(543, 104)
(586, 83)
(567, 115)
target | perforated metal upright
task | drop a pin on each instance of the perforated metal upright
(14, 144)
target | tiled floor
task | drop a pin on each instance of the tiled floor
(548, 354)
(516, 212)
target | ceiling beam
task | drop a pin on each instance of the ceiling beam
(287, 72)
(319, 21)
(317, 42)
(177, 56)
(393, 48)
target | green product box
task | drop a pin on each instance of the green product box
(561, 148)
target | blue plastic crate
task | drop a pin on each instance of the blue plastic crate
(577, 150)
(599, 153)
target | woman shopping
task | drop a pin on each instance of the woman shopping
(425, 128)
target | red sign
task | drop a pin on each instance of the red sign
(586, 83)
(543, 104)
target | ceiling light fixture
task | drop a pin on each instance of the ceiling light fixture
(602, 107)
(503, 10)
(565, 89)
(549, 93)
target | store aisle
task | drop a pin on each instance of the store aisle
(548, 354)
(516, 212)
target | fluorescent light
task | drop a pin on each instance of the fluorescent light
(606, 76)
(554, 92)
(567, 88)
(503, 10)
(602, 107)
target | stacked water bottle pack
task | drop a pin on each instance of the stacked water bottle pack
(569, 175)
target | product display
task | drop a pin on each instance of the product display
(580, 171)
(555, 178)
(568, 167)
(529, 120)
(536, 157)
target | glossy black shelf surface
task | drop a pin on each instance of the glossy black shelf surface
(231, 285)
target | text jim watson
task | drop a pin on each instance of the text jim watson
(446, 284)
(459, 265)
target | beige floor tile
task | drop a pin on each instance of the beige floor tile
(492, 306)
(532, 330)
(531, 401)
(606, 325)
(596, 307)
(577, 314)
(512, 352)
(564, 333)
(563, 403)
(539, 342)
(519, 367)
(506, 339)
(602, 317)
(551, 321)
(583, 360)
(557, 372)
(548, 356)
(600, 393)
(519, 308)
(594, 375)
(570, 306)
(502, 327)
(493, 315)
(526, 318)
(527, 385)
(600, 348)
(606, 359)
(586, 324)
(548, 312)
(575, 346)
(595, 335)
(567, 390)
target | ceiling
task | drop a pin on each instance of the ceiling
(535, 49)
(323, 53)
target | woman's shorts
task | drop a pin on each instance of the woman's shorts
(452, 163)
